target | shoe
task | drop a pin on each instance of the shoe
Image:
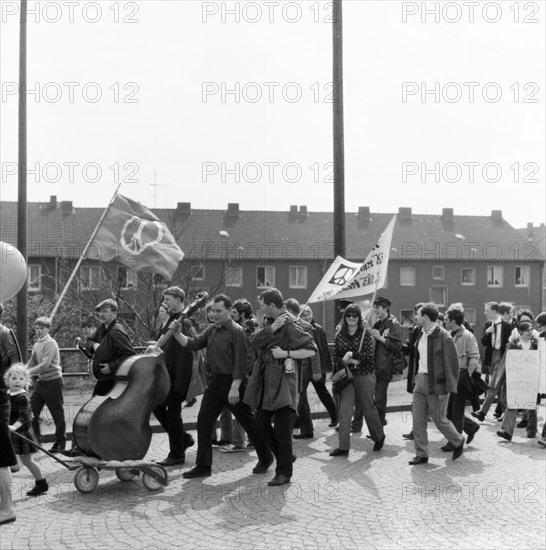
(232, 449)
(368, 436)
(14, 469)
(279, 479)
(188, 442)
(458, 451)
(8, 518)
(333, 424)
(57, 448)
(418, 460)
(541, 442)
(294, 458)
(531, 435)
(499, 418)
(40, 488)
(262, 466)
(197, 471)
(379, 444)
(504, 435)
(74, 452)
(384, 422)
(448, 448)
(355, 430)
(522, 424)
(220, 442)
(191, 402)
(408, 436)
(471, 435)
(171, 461)
(479, 415)
(339, 452)
(249, 445)
(303, 436)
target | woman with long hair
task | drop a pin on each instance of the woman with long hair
(360, 361)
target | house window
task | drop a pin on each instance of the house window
(522, 276)
(468, 276)
(90, 277)
(198, 273)
(495, 276)
(234, 277)
(438, 272)
(407, 276)
(34, 278)
(438, 295)
(297, 276)
(126, 278)
(265, 276)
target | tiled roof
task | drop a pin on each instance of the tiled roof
(62, 229)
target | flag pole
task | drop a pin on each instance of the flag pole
(82, 256)
(368, 316)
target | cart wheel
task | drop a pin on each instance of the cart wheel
(151, 483)
(126, 474)
(86, 479)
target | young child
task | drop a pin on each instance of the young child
(17, 378)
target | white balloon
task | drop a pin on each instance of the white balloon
(13, 271)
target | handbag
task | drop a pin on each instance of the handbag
(341, 379)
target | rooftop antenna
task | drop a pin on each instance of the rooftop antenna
(155, 185)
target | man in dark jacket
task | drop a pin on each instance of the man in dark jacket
(109, 345)
(436, 375)
(179, 363)
(388, 343)
(495, 339)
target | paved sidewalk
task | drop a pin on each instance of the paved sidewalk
(492, 497)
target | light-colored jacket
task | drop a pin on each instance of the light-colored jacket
(467, 349)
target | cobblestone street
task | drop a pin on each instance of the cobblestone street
(492, 497)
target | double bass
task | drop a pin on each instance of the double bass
(116, 426)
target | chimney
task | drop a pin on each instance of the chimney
(66, 207)
(52, 201)
(303, 212)
(496, 215)
(364, 214)
(404, 213)
(447, 214)
(294, 210)
(183, 208)
(530, 230)
(233, 210)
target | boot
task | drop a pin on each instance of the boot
(38, 489)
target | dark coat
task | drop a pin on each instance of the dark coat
(411, 351)
(385, 351)
(321, 340)
(114, 348)
(506, 330)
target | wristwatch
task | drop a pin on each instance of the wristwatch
(288, 354)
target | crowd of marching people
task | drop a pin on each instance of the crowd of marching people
(258, 373)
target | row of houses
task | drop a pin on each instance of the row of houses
(441, 257)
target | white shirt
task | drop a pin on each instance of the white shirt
(422, 348)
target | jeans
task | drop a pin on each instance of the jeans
(49, 393)
(455, 412)
(498, 378)
(362, 390)
(304, 411)
(169, 415)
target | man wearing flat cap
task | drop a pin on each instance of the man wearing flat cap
(387, 332)
(109, 345)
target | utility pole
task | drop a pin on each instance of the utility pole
(339, 143)
(22, 313)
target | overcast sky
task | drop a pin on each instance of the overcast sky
(230, 102)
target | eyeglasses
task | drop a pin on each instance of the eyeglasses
(352, 316)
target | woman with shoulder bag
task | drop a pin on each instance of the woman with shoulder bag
(359, 360)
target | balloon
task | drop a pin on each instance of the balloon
(13, 271)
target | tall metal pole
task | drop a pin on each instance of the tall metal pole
(339, 144)
(22, 314)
